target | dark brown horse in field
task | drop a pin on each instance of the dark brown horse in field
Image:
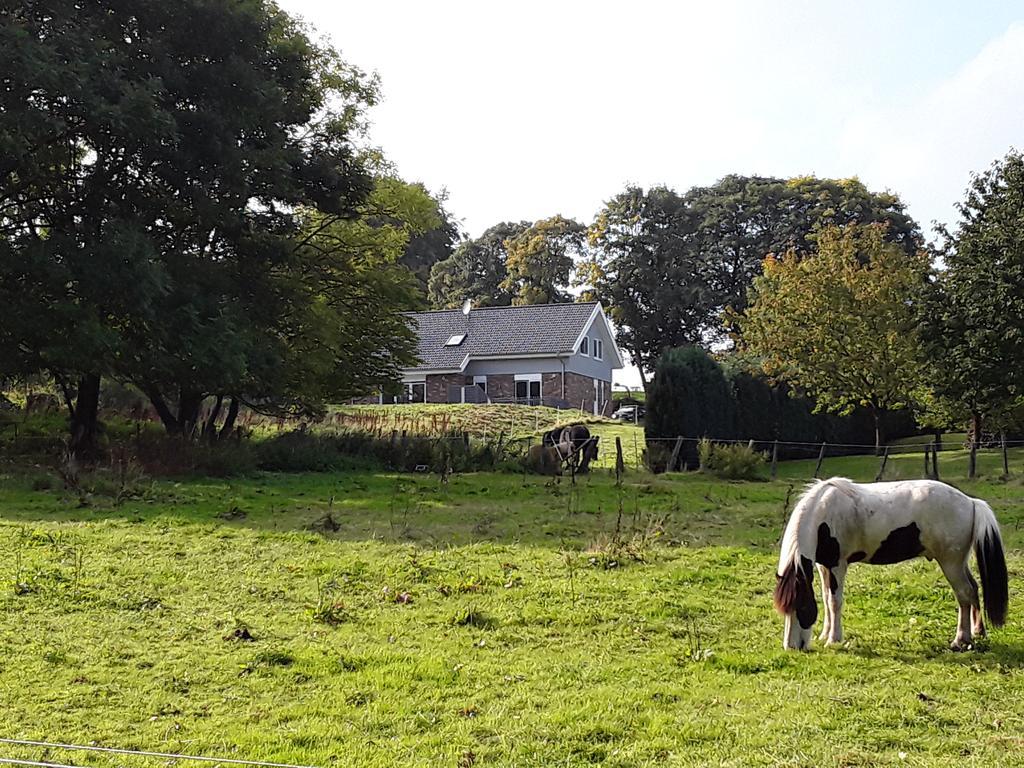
(575, 445)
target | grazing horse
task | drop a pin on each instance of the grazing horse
(574, 444)
(837, 522)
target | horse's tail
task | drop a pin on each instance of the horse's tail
(988, 549)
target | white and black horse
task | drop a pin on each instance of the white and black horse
(575, 445)
(838, 522)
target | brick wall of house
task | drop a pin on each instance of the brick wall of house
(437, 386)
(580, 389)
(501, 387)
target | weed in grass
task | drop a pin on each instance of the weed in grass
(327, 609)
(470, 617)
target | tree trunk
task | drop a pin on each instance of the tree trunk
(976, 424)
(85, 418)
(640, 370)
(189, 404)
(229, 420)
(877, 413)
(210, 427)
(163, 410)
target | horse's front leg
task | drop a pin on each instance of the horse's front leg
(832, 589)
(966, 597)
(826, 623)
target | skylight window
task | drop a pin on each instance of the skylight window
(455, 340)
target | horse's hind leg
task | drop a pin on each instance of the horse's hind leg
(966, 591)
(977, 622)
(826, 624)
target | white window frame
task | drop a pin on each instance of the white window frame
(584, 346)
(598, 347)
(529, 378)
(478, 380)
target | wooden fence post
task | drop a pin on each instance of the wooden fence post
(821, 458)
(675, 455)
(881, 469)
(620, 465)
(1006, 459)
(775, 459)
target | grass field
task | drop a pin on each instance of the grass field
(369, 619)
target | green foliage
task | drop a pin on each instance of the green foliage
(843, 324)
(644, 268)
(427, 248)
(688, 397)
(667, 265)
(155, 200)
(973, 320)
(730, 461)
(476, 270)
(540, 261)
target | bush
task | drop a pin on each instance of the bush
(736, 461)
(689, 396)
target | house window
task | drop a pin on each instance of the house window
(528, 388)
(584, 346)
(598, 349)
(481, 381)
(416, 392)
(455, 340)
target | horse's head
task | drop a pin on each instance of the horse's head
(794, 599)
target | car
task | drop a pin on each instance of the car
(633, 413)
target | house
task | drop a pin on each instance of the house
(560, 355)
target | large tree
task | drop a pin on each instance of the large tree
(321, 325)
(973, 322)
(669, 265)
(152, 159)
(843, 323)
(427, 248)
(646, 268)
(541, 259)
(477, 270)
(743, 219)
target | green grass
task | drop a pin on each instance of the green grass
(484, 421)
(489, 621)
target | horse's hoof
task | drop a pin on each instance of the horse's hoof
(960, 645)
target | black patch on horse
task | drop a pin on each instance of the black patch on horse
(827, 552)
(901, 544)
(833, 583)
(807, 609)
(856, 557)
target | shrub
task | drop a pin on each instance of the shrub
(729, 461)
(689, 396)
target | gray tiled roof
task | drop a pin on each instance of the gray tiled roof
(538, 329)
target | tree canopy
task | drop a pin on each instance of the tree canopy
(540, 261)
(477, 270)
(669, 265)
(155, 158)
(842, 324)
(973, 321)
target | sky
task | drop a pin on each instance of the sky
(522, 111)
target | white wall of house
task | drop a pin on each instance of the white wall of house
(587, 364)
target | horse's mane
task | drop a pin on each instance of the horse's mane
(794, 579)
